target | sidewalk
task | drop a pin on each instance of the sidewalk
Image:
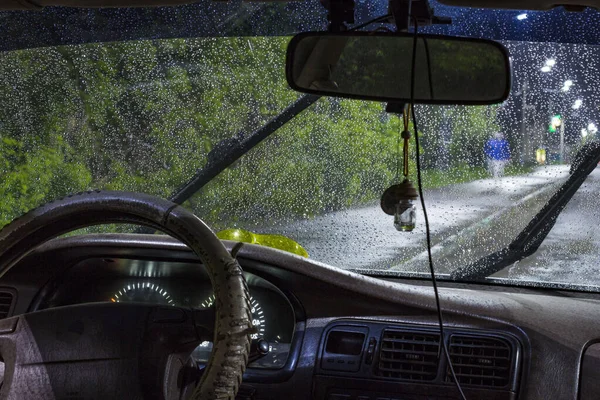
(365, 238)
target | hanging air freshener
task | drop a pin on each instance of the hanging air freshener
(398, 200)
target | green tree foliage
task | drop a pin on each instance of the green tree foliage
(471, 128)
(144, 115)
(336, 156)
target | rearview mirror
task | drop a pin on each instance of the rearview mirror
(377, 66)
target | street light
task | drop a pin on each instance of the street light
(584, 133)
(551, 62)
(577, 105)
(567, 85)
(556, 121)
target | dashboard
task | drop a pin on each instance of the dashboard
(178, 284)
(336, 335)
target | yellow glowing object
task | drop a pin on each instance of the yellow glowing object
(540, 156)
(275, 241)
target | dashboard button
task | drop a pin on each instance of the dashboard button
(370, 351)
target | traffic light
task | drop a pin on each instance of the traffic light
(555, 122)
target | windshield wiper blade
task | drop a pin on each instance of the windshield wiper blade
(230, 150)
(529, 240)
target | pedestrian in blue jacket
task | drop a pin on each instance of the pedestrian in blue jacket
(497, 152)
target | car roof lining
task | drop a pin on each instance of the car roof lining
(39, 4)
(504, 4)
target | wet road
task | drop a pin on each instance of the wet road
(571, 251)
(365, 238)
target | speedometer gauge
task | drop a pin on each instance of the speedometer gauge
(142, 292)
(258, 316)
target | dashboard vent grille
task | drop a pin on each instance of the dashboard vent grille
(480, 361)
(6, 300)
(409, 355)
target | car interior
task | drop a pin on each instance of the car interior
(189, 314)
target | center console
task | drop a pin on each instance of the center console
(365, 360)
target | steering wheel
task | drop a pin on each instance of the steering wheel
(132, 351)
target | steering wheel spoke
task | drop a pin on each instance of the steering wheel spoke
(204, 319)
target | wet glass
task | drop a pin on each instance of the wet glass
(147, 113)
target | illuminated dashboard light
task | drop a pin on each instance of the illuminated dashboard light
(128, 293)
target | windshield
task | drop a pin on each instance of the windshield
(86, 106)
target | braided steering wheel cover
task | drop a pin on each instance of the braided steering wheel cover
(231, 344)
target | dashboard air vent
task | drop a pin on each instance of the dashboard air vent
(480, 361)
(6, 300)
(409, 355)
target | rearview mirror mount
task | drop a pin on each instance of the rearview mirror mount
(377, 66)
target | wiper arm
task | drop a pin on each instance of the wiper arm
(230, 150)
(529, 240)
